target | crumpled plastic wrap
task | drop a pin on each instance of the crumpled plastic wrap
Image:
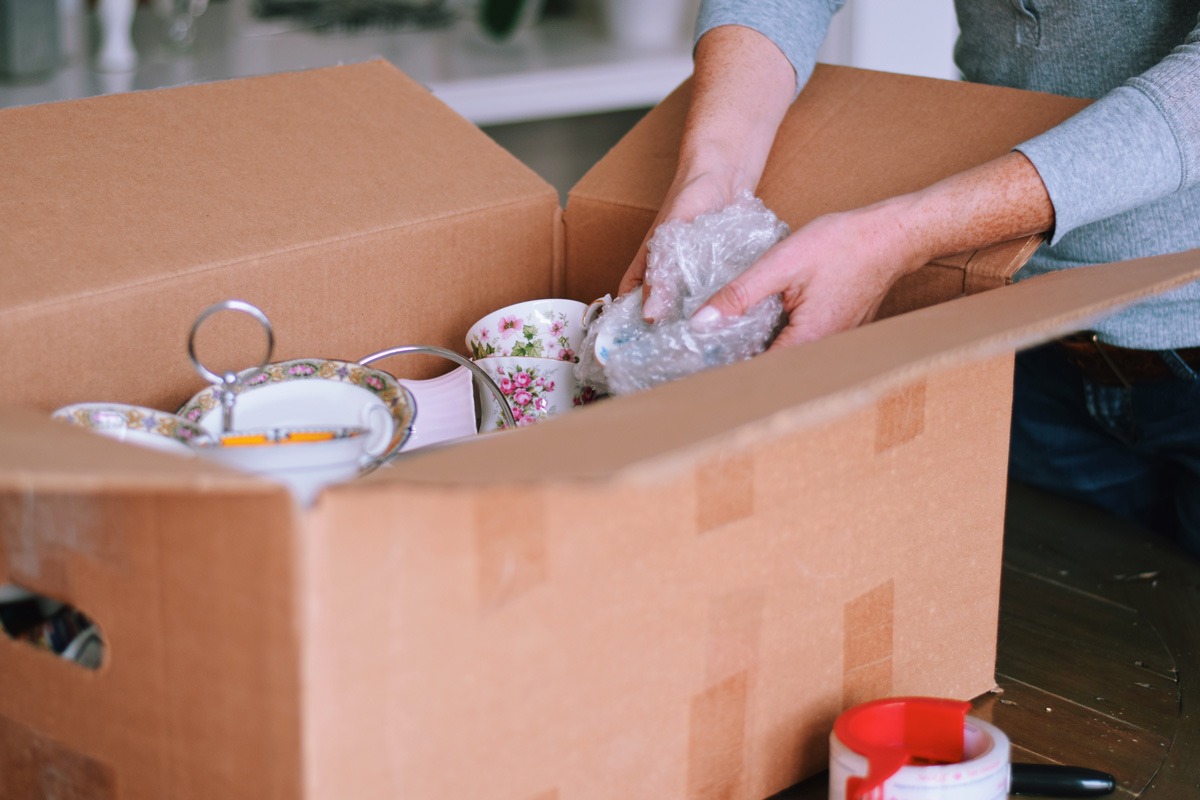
(688, 263)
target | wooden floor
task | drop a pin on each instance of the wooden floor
(1098, 660)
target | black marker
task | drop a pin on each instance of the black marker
(1053, 780)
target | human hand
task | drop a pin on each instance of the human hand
(833, 274)
(690, 195)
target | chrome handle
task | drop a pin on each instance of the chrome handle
(505, 411)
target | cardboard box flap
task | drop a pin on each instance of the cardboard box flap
(127, 189)
(799, 386)
(852, 137)
(186, 570)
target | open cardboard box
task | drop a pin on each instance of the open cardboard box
(665, 595)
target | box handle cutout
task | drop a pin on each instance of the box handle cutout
(44, 623)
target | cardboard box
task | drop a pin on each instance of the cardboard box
(667, 595)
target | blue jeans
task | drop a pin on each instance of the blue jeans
(1135, 452)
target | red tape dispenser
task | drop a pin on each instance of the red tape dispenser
(916, 748)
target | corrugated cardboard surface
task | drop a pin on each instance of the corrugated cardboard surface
(325, 196)
(665, 595)
(188, 573)
(675, 637)
(850, 139)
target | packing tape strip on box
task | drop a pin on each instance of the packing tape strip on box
(916, 748)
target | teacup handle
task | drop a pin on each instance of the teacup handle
(486, 379)
(594, 309)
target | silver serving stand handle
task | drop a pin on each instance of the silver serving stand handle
(486, 379)
(230, 383)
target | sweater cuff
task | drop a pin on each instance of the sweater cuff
(1115, 155)
(796, 29)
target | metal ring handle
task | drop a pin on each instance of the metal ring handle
(230, 380)
(505, 411)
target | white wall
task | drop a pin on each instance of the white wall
(910, 36)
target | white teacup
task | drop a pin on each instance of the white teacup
(305, 459)
(536, 389)
(550, 329)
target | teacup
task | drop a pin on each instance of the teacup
(304, 459)
(536, 389)
(551, 329)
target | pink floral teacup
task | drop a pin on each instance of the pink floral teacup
(550, 329)
(536, 389)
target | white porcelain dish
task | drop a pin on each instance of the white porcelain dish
(306, 460)
(447, 406)
(316, 393)
(145, 427)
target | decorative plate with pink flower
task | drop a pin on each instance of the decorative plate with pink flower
(311, 392)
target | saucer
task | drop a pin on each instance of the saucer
(146, 427)
(311, 392)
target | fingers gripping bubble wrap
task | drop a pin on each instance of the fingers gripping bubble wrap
(688, 263)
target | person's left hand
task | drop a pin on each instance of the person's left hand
(833, 274)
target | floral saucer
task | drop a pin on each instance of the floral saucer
(313, 392)
(147, 427)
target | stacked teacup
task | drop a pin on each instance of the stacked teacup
(530, 350)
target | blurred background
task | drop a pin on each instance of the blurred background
(556, 82)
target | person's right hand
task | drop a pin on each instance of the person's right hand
(742, 86)
(692, 193)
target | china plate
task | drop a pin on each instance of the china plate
(308, 392)
(148, 427)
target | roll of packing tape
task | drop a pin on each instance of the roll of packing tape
(916, 748)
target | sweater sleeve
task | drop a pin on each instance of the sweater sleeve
(1138, 143)
(797, 27)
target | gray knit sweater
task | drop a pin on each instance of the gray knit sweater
(1124, 174)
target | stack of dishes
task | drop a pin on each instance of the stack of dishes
(306, 423)
(311, 422)
(530, 350)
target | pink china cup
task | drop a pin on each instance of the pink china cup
(550, 329)
(536, 389)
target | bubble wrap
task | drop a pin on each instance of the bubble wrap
(687, 264)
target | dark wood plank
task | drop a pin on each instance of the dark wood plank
(815, 788)
(1095, 625)
(1109, 685)
(1068, 733)
(1097, 553)
(1084, 548)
